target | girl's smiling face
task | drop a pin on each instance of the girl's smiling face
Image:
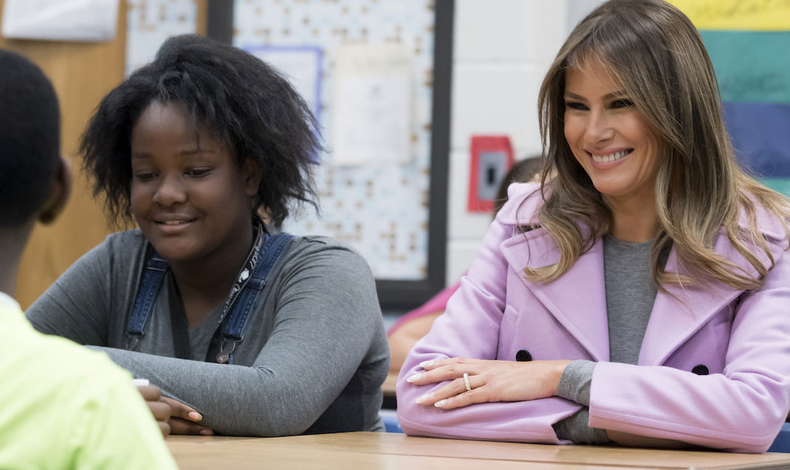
(188, 194)
(609, 136)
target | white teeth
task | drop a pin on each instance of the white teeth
(172, 222)
(611, 157)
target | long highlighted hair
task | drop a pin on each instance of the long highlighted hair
(656, 54)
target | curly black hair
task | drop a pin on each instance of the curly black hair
(245, 102)
(29, 138)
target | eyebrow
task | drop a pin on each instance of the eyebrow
(608, 96)
(198, 151)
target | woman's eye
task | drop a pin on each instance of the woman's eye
(622, 103)
(575, 105)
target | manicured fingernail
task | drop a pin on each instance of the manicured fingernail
(422, 399)
(195, 416)
(414, 378)
(440, 403)
(206, 432)
(426, 364)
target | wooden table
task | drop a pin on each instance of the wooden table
(363, 450)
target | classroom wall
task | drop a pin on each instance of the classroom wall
(502, 50)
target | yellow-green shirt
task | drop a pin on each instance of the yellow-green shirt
(65, 407)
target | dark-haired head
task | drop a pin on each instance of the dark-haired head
(521, 172)
(29, 139)
(230, 93)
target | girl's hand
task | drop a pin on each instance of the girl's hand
(158, 407)
(489, 381)
(184, 419)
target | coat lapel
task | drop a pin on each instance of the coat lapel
(577, 299)
(686, 309)
(679, 313)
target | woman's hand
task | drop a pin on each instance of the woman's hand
(489, 381)
(159, 408)
(184, 419)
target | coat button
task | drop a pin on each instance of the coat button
(523, 356)
(700, 369)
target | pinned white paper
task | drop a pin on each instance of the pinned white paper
(60, 20)
(372, 104)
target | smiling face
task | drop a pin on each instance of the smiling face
(192, 202)
(609, 136)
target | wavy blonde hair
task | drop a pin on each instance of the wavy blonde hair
(656, 54)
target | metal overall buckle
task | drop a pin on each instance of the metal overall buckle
(131, 341)
(224, 357)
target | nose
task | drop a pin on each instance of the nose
(170, 191)
(599, 126)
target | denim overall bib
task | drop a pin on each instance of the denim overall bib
(231, 331)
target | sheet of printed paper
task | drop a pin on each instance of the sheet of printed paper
(64, 20)
(372, 96)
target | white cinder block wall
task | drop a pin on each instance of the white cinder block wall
(502, 50)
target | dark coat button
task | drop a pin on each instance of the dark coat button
(523, 356)
(700, 369)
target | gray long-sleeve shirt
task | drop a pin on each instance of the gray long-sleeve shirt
(313, 358)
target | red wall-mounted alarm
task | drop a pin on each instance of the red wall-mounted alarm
(492, 157)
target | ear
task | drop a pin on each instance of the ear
(58, 195)
(252, 177)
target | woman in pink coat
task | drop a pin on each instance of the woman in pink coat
(640, 294)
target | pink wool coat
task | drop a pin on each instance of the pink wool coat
(736, 343)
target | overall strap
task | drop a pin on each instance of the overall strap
(155, 269)
(236, 320)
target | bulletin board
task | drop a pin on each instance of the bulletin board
(150, 22)
(377, 75)
(748, 42)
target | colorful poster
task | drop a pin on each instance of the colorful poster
(734, 15)
(748, 42)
